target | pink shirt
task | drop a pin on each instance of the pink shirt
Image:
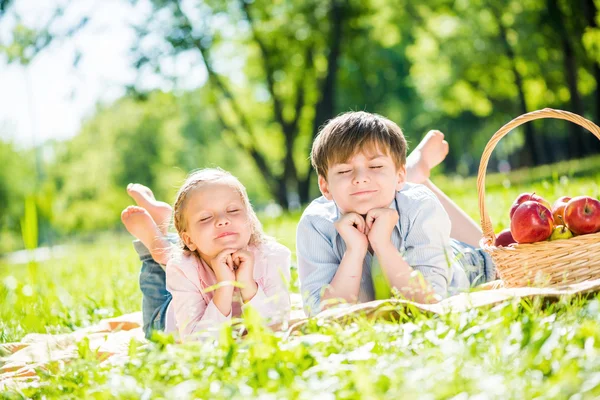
(192, 309)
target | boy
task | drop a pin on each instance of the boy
(369, 215)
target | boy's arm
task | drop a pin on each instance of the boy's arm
(427, 252)
(346, 283)
(400, 274)
(322, 275)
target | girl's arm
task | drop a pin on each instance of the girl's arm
(192, 312)
(272, 299)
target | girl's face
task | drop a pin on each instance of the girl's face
(216, 219)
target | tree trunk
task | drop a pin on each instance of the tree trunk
(325, 107)
(591, 12)
(281, 195)
(529, 154)
(304, 188)
(577, 139)
(290, 175)
(557, 21)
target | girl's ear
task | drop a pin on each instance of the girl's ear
(187, 240)
(324, 188)
(401, 178)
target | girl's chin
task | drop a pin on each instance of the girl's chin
(234, 244)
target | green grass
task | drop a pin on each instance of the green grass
(514, 350)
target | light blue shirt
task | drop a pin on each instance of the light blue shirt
(422, 236)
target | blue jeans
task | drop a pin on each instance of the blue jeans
(477, 264)
(153, 284)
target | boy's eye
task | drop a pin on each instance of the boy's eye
(344, 171)
(376, 166)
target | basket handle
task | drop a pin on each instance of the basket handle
(486, 224)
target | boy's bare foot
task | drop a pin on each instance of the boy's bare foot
(141, 225)
(432, 150)
(159, 210)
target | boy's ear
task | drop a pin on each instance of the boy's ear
(324, 188)
(401, 178)
(188, 241)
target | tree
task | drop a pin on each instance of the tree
(276, 71)
(290, 74)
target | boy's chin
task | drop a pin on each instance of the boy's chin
(364, 209)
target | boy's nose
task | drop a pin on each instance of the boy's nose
(360, 177)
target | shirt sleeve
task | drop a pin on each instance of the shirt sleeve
(192, 312)
(272, 300)
(317, 263)
(428, 243)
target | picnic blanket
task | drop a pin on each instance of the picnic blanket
(110, 338)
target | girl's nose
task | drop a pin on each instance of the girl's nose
(222, 221)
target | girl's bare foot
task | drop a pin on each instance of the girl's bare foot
(159, 210)
(432, 150)
(141, 225)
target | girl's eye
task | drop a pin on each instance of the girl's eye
(204, 219)
(233, 211)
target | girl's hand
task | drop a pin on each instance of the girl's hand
(243, 261)
(243, 265)
(222, 265)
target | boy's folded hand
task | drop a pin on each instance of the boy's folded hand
(351, 228)
(380, 223)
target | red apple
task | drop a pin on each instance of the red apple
(582, 215)
(558, 208)
(523, 197)
(531, 222)
(504, 238)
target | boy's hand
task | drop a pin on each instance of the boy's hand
(380, 223)
(351, 228)
(222, 265)
(243, 262)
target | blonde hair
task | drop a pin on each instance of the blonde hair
(351, 132)
(213, 175)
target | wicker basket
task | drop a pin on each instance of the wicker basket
(555, 263)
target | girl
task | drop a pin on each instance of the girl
(220, 241)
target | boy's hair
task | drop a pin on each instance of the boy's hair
(351, 132)
(207, 176)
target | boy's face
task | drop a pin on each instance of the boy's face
(368, 180)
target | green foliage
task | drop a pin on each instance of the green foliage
(278, 70)
(69, 291)
(521, 349)
(574, 178)
(155, 141)
(514, 350)
(29, 224)
(17, 180)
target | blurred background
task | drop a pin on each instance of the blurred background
(97, 94)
